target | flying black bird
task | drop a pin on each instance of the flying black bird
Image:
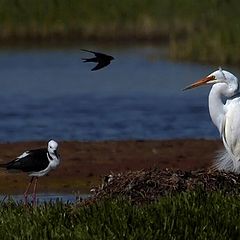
(101, 59)
(37, 163)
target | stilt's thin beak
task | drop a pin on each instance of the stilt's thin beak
(200, 82)
(56, 153)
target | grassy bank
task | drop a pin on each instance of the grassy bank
(192, 215)
(206, 30)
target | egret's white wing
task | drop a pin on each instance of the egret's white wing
(231, 128)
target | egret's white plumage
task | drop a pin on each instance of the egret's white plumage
(224, 109)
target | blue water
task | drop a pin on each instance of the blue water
(46, 197)
(51, 94)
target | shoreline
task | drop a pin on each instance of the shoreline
(183, 26)
(84, 164)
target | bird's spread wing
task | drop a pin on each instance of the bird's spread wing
(97, 54)
(102, 59)
(100, 65)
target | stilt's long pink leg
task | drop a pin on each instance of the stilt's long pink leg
(27, 190)
(34, 190)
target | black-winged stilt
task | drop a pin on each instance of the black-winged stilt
(37, 163)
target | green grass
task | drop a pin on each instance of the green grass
(185, 216)
(207, 30)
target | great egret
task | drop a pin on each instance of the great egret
(224, 108)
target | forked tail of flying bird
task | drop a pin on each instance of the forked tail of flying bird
(101, 59)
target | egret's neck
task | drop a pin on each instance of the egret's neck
(216, 105)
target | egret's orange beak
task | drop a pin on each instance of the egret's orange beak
(199, 82)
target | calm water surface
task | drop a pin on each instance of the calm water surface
(52, 94)
(47, 197)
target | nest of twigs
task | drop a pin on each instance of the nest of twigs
(148, 185)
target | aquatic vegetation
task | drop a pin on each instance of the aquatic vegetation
(206, 31)
(192, 215)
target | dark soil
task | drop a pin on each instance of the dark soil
(85, 163)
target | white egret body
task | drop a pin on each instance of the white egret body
(224, 109)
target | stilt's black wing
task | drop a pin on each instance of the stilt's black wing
(30, 161)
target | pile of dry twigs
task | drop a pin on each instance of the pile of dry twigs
(148, 185)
